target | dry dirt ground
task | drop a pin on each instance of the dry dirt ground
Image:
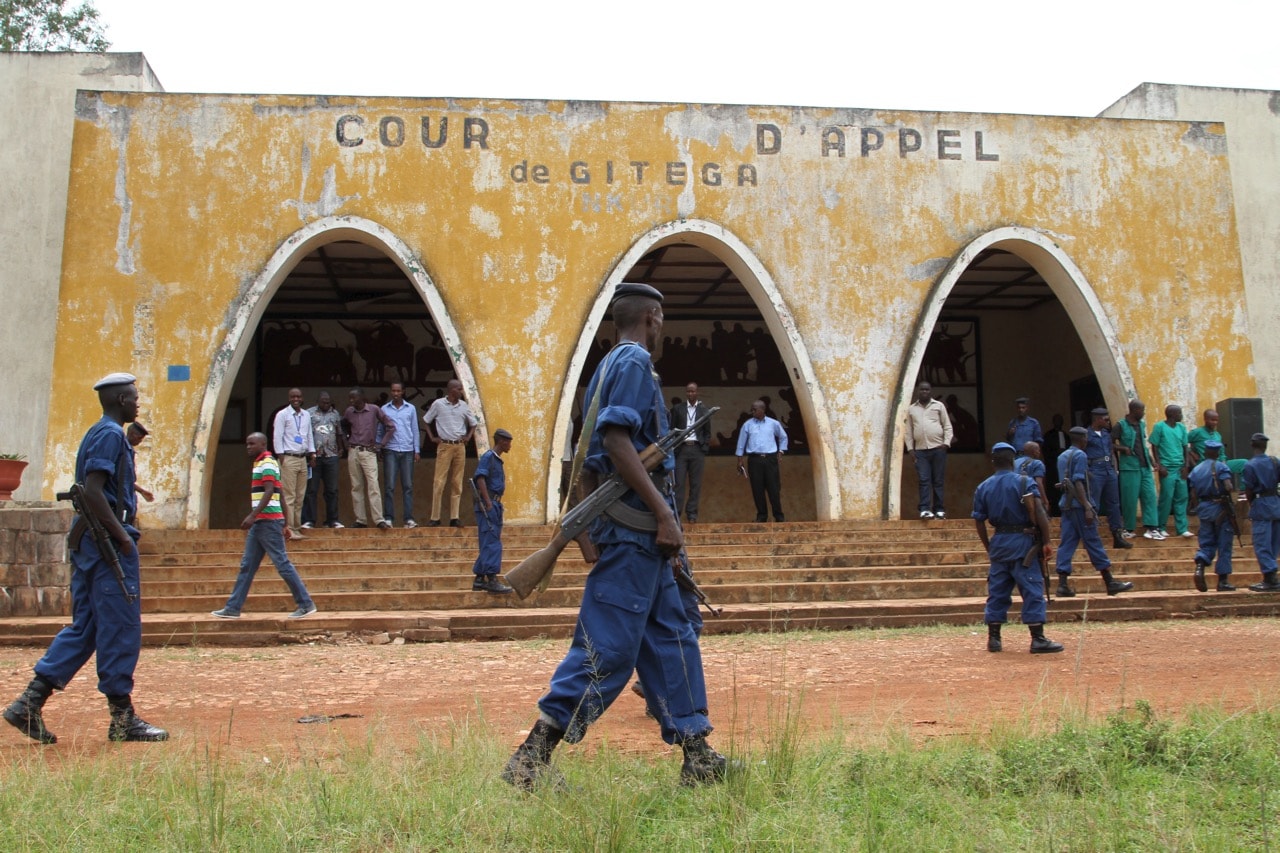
(925, 682)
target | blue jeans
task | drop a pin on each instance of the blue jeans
(931, 468)
(103, 621)
(397, 468)
(266, 538)
(326, 470)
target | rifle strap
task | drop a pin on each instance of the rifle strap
(588, 427)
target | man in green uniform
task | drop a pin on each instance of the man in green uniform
(1169, 448)
(1209, 432)
(1136, 482)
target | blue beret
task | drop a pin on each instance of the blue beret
(1257, 436)
(1101, 410)
(635, 288)
(1002, 445)
(114, 379)
(1212, 445)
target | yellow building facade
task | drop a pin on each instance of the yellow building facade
(512, 221)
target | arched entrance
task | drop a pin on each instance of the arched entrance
(716, 289)
(1011, 316)
(342, 302)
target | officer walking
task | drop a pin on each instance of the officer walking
(1260, 477)
(1211, 483)
(1080, 517)
(1011, 502)
(106, 620)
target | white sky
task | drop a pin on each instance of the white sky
(1063, 58)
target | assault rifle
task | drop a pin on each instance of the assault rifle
(684, 580)
(106, 545)
(535, 571)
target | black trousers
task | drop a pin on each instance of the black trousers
(766, 482)
(690, 461)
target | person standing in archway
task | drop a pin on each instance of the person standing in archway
(929, 436)
(360, 422)
(295, 445)
(450, 425)
(691, 456)
(1023, 427)
(761, 443)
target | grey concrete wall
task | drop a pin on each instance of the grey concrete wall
(1252, 120)
(37, 114)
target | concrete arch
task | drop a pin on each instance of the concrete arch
(1068, 284)
(249, 312)
(777, 316)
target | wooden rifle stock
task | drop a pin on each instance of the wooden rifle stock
(534, 572)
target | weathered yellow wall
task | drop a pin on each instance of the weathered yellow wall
(177, 202)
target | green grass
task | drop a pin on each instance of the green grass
(1131, 782)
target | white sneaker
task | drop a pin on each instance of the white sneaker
(1150, 534)
(939, 514)
(337, 525)
(306, 525)
(1161, 535)
(1187, 534)
(410, 524)
(1127, 534)
(926, 514)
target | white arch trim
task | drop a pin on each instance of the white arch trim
(248, 312)
(1067, 282)
(782, 326)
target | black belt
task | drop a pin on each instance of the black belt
(1266, 493)
(1101, 460)
(1014, 528)
(452, 441)
(763, 455)
(361, 447)
(304, 455)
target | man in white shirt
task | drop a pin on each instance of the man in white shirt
(296, 448)
(450, 426)
(929, 436)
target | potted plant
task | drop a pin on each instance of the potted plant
(11, 465)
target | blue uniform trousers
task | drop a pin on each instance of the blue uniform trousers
(489, 531)
(1215, 537)
(1075, 531)
(102, 621)
(266, 538)
(1004, 575)
(632, 619)
(1104, 491)
(1264, 518)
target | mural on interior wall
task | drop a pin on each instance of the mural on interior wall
(734, 364)
(952, 365)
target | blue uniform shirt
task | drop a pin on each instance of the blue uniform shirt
(491, 468)
(630, 397)
(1098, 447)
(1260, 475)
(1029, 467)
(1210, 479)
(105, 448)
(1025, 430)
(999, 499)
(1073, 467)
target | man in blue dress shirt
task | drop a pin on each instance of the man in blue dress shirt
(761, 443)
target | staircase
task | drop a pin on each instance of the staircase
(767, 577)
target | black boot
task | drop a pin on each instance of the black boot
(1064, 588)
(531, 762)
(25, 712)
(1201, 586)
(993, 637)
(1040, 644)
(1114, 587)
(129, 727)
(1225, 584)
(1269, 584)
(1118, 540)
(702, 764)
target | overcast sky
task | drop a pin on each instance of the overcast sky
(1062, 58)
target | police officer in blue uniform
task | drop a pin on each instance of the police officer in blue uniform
(1080, 516)
(1211, 483)
(632, 617)
(1103, 478)
(1011, 503)
(489, 482)
(106, 618)
(1260, 477)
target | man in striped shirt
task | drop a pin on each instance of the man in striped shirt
(267, 535)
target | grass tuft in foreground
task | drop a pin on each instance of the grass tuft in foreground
(1132, 782)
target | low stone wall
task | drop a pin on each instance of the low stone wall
(35, 574)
